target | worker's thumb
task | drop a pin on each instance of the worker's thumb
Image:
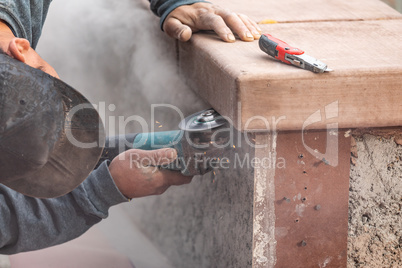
(174, 28)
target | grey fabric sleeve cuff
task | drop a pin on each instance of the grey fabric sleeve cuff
(162, 8)
(102, 189)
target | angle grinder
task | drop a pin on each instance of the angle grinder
(202, 140)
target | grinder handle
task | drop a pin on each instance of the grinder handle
(115, 145)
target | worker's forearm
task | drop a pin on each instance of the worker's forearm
(162, 8)
(29, 223)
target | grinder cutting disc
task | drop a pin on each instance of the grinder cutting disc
(202, 121)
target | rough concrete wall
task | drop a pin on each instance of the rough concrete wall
(197, 219)
(375, 220)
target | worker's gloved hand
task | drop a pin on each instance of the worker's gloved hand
(136, 172)
(186, 19)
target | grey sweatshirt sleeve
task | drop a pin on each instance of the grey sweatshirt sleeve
(25, 17)
(28, 223)
(162, 8)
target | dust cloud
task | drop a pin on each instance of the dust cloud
(116, 55)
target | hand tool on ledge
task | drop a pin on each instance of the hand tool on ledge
(290, 55)
(202, 140)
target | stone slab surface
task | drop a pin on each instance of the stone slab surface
(242, 82)
(311, 10)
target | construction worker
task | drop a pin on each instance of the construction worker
(34, 144)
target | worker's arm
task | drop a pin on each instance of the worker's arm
(28, 223)
(180, 18)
